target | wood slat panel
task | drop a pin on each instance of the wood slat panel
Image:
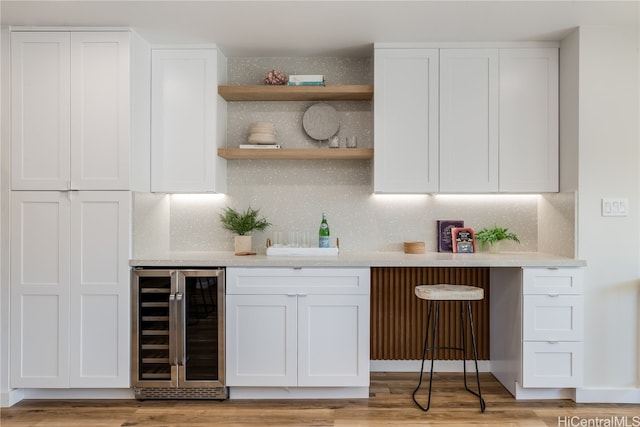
(398, 317)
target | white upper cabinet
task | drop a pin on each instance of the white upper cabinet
(469, 120)
(70, 110)
(406, 120)
(188, 121)
(529, 120)
(465, 119)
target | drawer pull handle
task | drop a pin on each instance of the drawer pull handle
(552, 342)
(553, 295)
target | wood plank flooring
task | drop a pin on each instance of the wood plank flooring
(390, 404)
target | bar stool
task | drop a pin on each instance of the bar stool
(434, 294)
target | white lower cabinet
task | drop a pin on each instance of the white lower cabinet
(552, 364)
(70, 326)
(289, 327)
(537, 328)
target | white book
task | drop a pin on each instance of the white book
(306, 78)
(261, 146)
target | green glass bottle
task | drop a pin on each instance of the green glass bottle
(323, 233)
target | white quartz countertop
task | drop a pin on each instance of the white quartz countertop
(358, 259)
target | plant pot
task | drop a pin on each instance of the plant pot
(242, 243)
(496, 247)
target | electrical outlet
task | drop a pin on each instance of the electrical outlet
(615, 207)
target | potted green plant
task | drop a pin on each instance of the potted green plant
(491, 236)
(243, 223)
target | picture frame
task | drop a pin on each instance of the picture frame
(464, 240)
(444, 226)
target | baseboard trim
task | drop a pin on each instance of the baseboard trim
(543, 393)
(608, 395)
(78, 393)
(298, 392)
(11, 397)
(438, 366)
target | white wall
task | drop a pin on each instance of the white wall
(609, 167)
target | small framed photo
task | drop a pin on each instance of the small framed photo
(464, 240)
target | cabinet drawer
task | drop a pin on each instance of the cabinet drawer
(257, 281)
(552, 364)
(552, 281)
(552, 318)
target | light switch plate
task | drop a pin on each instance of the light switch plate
(615, 207)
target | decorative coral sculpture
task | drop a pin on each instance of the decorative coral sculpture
(275, 77)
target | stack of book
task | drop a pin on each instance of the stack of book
(306, 80)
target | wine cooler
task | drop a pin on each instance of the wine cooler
(178, 333)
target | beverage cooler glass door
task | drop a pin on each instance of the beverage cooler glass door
(153, 322)
(200, 331)
(178, 328)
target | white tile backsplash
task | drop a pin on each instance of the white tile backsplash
(362, 221)
(293, 194)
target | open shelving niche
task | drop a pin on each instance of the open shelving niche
(296, 93)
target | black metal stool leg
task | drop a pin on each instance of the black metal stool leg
(475, 359)
(463, 334)
(424, 352)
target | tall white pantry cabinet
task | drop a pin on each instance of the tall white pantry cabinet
(71, 209)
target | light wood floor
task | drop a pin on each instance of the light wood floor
(390, 405)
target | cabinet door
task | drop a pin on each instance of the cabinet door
(100, 291)
(406, 120)
(529, 120)
(552, 318)
(553, 281)
(183, 122)
(308, 280)
(333, 340)
(469, 120)
(40, 289)
(100, 113)
(552, 364)
(40, 111)
(261, 340)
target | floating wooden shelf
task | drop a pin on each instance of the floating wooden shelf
(297, 93)
(297, 153)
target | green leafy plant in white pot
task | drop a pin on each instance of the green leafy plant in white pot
(242, 224)
(490, 237)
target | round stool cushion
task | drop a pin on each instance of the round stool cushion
(449, 292)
